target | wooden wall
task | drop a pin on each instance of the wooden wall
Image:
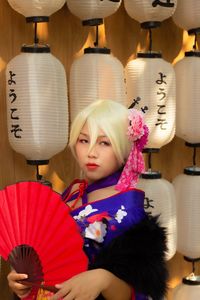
(67, 38)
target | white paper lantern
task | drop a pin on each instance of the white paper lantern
(151, 87)
(187, 188)
(188, 95)
(95, 75)
(187, 15)
(35, 8)
(160, 200)
(188, 289)
(37, 106)
(150, 13)
(92, 12)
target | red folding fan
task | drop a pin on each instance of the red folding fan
(38, 236)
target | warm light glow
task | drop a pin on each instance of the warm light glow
(43, 31)
(141, 48)
(187, 45)
(2, 64)
(56, 181)
(174, 282)
(91, 39)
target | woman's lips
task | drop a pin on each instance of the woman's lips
(92, 166)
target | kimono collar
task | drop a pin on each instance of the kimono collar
(84, 188)
(102, 183)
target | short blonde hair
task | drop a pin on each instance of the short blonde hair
(109, 116)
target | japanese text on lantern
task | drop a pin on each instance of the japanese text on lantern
(15, 126)
(148, 205)
(135, 102)
(166, 3)
(161, 106)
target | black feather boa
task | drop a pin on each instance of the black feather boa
(138, 257)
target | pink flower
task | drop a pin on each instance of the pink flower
(138, 134)
(136, 128)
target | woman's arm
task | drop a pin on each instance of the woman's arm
(90, 284)
(115, 288)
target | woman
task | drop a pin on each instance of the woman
(125, 247)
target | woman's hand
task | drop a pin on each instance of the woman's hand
(84, 286)
(21, 290)
(88, 285)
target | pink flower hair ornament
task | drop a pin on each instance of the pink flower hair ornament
(138, 134)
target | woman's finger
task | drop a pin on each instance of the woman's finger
(63, 291)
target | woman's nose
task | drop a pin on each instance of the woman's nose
(92, 152)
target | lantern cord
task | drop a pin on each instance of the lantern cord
(38, 176)
(193, 267)
(36, 40)
(195, 42)
(150, 40)
(96, 43)
(194, 156)
(149, 161)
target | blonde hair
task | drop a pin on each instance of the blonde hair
(109, 116)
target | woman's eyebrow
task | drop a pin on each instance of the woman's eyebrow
(99, 136)
(85, 134)
(103, 136)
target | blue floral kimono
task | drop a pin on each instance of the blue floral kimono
(105, 223)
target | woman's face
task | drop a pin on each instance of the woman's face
(100, 161)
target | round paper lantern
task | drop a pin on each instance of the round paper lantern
(95, 75)
(150, 13)
(187, 15)
(189, 289)
(36, 11)
(160, 201)
(188, 94)
(151, 87)
(37, 106)
(92, 12)
(187, 189)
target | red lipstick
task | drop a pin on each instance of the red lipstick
(92, 166)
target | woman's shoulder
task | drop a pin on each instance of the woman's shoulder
(102, 193)
(111, 191)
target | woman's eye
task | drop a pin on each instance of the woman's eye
(105, 143)
(83, 141)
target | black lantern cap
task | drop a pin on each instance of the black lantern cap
(96, 50)
(37, 162)
(192, 145)
(92, 22)
(191, 280)
(192, 54)
(37, 19)
(189, 259)
(151, 175)
(35, 48)
(150, 24)
(149, 55)
(194, 31)
(192, 171)
(150, 150)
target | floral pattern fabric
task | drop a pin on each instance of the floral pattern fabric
(101, 221)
